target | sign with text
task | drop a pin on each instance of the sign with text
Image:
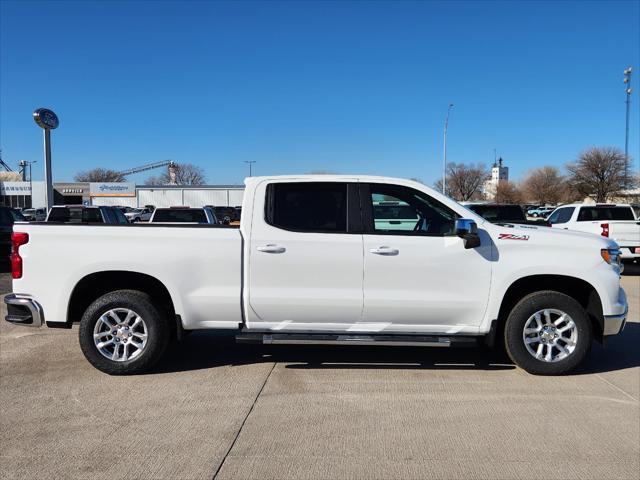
(112, 189)
(15, 188)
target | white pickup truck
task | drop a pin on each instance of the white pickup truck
(616, 221)
(312, 264)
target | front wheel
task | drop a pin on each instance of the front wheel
(548, 333)
(123, 333)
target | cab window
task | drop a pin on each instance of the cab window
(561, 215)
(404, 211)
(319, 207)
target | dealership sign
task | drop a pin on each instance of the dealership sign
(15, 188)
(112, 189)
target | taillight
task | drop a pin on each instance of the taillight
(605, 230)
(17, 239)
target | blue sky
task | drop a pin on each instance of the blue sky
(358, 87)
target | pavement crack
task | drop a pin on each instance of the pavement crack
(255, 400)
(616, 387)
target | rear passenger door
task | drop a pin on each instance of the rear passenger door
(305, 257)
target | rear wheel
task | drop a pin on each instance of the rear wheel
(548, 333)
(123, 332)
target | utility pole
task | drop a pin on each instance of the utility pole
(444, 159)
(250, 162)
(23, 170)
(627, 84)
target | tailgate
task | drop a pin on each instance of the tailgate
(625, 232)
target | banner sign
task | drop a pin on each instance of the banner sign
(112, 189)
(15, 188)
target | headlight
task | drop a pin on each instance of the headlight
(612, 256)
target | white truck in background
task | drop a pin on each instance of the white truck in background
(315, 260)
(615, 221)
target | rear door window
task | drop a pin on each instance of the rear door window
(308, 206)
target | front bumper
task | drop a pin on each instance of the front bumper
(23, 310)
(614, 324)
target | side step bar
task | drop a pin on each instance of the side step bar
(348, 339)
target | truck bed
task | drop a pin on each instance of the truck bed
(200, 265)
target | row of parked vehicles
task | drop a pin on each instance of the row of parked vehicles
(207, 214)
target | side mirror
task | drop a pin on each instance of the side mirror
(468, 230)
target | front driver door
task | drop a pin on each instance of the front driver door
(418, 277)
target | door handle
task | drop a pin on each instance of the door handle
(270, 248)
(385, 251)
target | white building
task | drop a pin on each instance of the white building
(171, 195)
(499, 173)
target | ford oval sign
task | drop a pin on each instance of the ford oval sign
(46, 119)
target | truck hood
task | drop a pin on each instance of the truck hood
(547, 235)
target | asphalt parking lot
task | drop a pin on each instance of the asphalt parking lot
(214, 409)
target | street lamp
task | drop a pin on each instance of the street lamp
(47, 120)
(627, 89)
(444, 160)
(250, 162)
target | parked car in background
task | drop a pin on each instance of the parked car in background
(541, 212)
(8, 216)
(184, 215)
(616, 221)
(499, 212)
(35, 214)
(137, 214)
(85, 214)
(311, 264)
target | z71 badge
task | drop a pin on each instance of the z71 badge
(511, 236)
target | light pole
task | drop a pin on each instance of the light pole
(444, 159)
(250, 162)
(627, 84)
(47, 120)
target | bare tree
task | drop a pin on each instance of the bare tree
(508, 192)
(600, 172)
(185, 174)
(544, 185)
(99, 175)
(464, 182)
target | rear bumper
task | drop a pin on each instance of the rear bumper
(23, 310)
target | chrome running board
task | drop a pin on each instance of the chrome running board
(349, 339)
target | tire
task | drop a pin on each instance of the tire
(143, 328)
(550, 346)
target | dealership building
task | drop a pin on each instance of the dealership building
(32, 194)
